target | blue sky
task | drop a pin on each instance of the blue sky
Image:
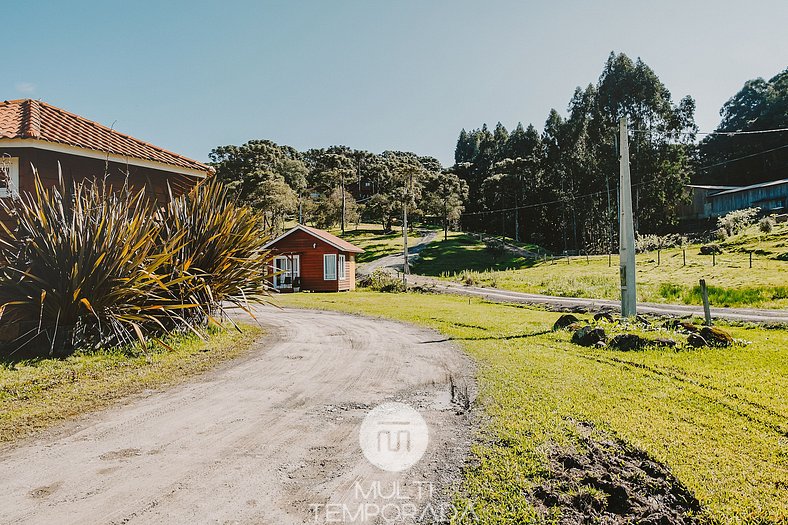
(372, 74)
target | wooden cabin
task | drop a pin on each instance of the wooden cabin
(311, 259)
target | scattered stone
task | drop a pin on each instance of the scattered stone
(564, 321)
(716, 336)
(642, 320)
(589, 336)
(664, 342)
(696, 340)
(603, 316)
(576, 326)
(689, 327)
(627, 342)
(600, 344)
(709, 249)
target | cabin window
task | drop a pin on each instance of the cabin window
(9, 176)
(342, 274)
(286, 270)
(330, 267)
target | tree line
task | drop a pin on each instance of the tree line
(556, 186)
(338, 186)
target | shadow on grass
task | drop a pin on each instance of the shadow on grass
(491, 337)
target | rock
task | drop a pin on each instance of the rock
(627, 342)
(575, 326)
(709, 249)
(589, 336)
(696, 340)
(688, 327)
(716, 336)
(603, 316)
(664, 342)
(642, 320)
(564, 321)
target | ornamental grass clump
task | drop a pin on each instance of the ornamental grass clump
(219, 261)
(88, 265)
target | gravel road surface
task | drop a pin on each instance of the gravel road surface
(269, 438)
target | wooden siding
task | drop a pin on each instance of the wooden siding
(75, 168)
(311, 251)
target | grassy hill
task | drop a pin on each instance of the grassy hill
(670, 276)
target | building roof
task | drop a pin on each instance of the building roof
(752, 187)
(333, 240)
(39, 121)
(706, 187)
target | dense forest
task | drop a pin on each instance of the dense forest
(555, 186)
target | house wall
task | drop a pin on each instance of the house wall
(767, 198)
(311, 250)
(75, 168)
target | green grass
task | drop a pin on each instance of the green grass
(374, 242)
(462, 251)
(36, 393)
(661, 279)
(716, 417)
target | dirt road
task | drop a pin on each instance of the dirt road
(394, 261)
(270, 438)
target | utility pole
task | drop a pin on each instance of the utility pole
(342, 171)
(627, 230)
(405, 268)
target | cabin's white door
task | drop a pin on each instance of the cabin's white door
(285, 270)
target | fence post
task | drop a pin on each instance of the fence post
(684, 251)
(705, 294)
(587, 261)
(659, 256)
(713, 259)
(750, 258)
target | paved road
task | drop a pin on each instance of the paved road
(261, 440)
(505, 296)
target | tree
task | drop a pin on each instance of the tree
(328, 210)
(759, 105)
(244, 168)
(277, 199)
(445, 194)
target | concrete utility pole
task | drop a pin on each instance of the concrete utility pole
(627, 230)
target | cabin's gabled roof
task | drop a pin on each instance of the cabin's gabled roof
(333, 240)
(34, 120)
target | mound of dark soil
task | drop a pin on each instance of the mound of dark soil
(564, 321)
(605, 480)
(589, 336)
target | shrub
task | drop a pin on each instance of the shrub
(382, 281)
(766, 225)
(737, 221)
(89, 265)
(651, 242)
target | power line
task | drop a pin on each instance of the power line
(728, 133)
(594, 194)
(742, 158)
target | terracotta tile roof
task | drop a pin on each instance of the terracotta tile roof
(33, 119)
(323, 235)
